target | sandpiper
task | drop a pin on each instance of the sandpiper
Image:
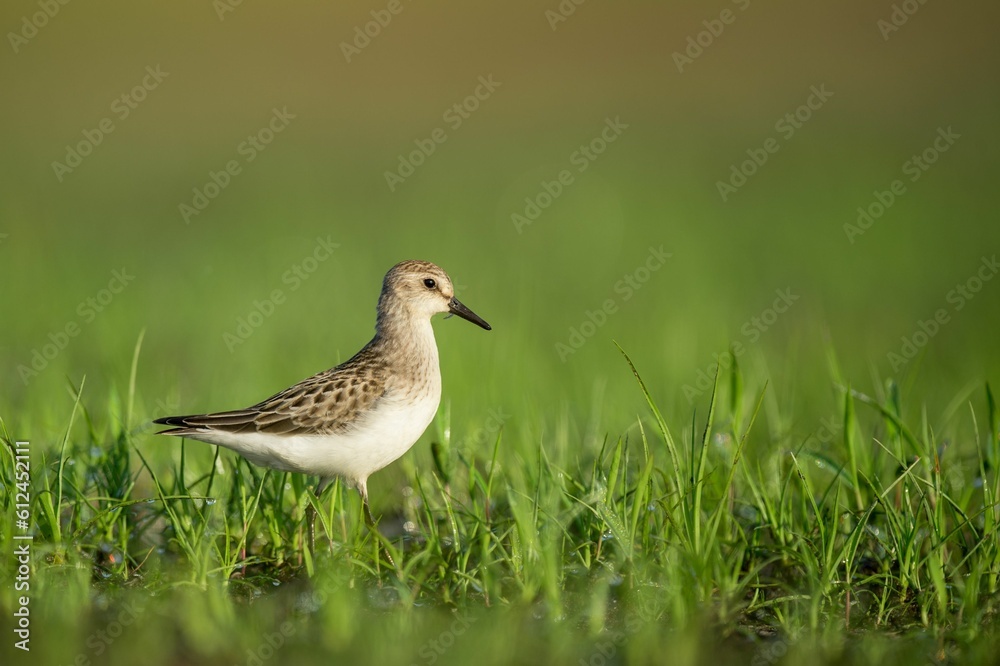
(352, 420)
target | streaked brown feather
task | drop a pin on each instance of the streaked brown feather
(329, 402)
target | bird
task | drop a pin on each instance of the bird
(358, 417)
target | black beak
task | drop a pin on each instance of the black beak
(455, 307)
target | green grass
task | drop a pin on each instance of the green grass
(700, 538)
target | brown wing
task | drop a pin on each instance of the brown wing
(326, 403)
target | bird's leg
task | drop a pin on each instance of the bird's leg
(311, 513)
(311, 524)
(363, 490)
(370, 521)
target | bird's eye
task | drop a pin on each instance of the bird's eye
(429, 283)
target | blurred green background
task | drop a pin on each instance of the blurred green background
(323, 176)
(225, 69)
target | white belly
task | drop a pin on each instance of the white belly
(379, 439)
